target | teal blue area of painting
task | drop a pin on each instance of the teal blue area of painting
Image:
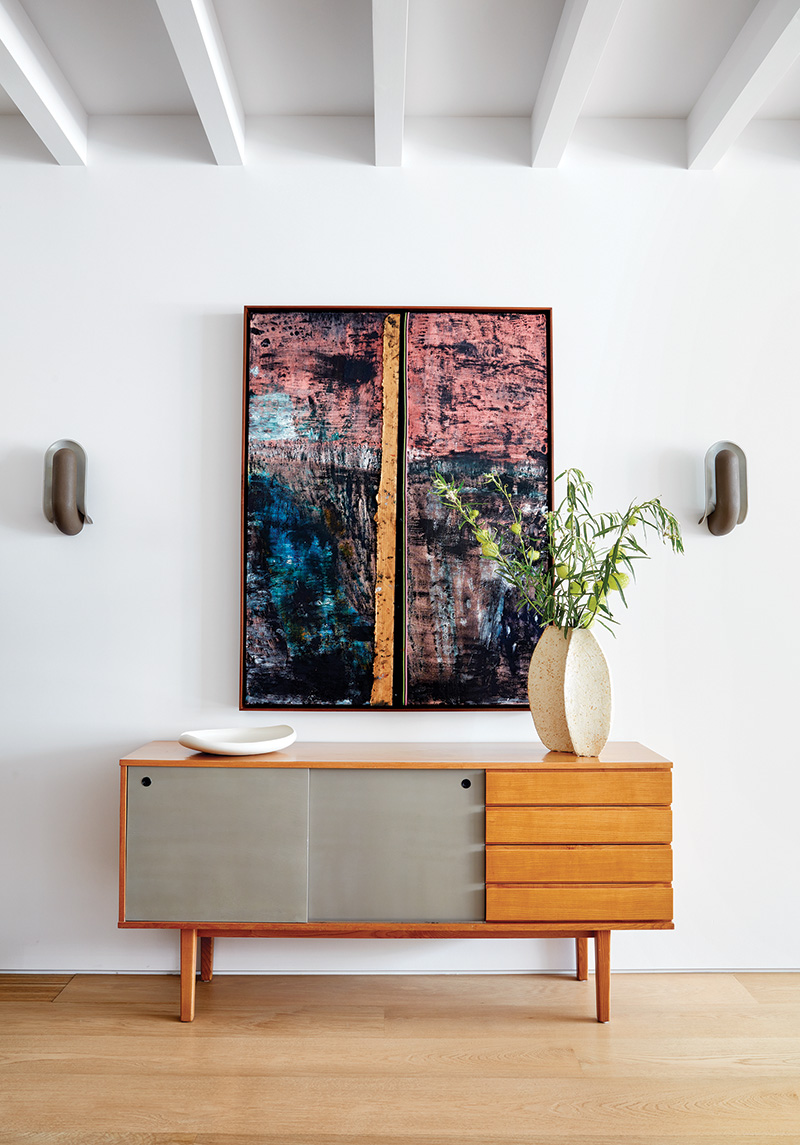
(296, 573)
(274, 416)
(271, 417)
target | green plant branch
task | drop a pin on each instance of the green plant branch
(565, 578)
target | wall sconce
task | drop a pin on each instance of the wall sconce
(726, 488)
(65, 486)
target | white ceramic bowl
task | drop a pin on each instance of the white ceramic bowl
(240, 741)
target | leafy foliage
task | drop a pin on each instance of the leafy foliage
(566, 576)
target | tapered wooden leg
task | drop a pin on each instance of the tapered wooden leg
(206, 959)
(188, 970)
(582, 958)
(602, 973)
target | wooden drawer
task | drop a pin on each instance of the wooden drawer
(578, 825)
(598, 788)
(584, 903)
(597, 864)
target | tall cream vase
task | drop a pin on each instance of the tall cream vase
(569, 689)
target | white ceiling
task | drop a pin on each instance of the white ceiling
(639, 59)
(661, 55)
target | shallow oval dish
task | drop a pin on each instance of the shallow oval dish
(240, 741)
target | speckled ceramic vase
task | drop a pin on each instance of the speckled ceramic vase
(569, 689)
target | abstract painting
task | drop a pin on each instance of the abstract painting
(359, 590)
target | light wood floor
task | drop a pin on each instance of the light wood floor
(99, 1060)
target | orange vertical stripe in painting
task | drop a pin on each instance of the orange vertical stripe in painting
(386, 519)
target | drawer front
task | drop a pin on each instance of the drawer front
(599, 864)
(580, 903)
(578, 825)
(596, 788)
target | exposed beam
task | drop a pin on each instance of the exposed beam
(579, 43)
(389, 38)
(36, 84)
(762, 53)
(196, 37)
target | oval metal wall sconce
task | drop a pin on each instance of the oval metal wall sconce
(65, 486)
(726, 488)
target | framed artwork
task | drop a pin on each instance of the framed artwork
(358, 588)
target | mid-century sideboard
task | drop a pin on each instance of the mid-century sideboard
(385, 840)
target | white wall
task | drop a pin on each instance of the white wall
(674, 299)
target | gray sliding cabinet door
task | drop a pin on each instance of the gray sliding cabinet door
(396, 845)
(217, 844)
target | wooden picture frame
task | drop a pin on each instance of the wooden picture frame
(359, 591)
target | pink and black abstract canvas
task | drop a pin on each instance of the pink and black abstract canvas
(359, 590)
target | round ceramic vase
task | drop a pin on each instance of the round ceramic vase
(569, 689)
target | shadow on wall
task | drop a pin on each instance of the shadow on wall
(681, 472)
(217, 476)
(22, 491)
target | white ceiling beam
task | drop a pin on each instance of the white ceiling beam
(389, 41)
(759, 58)
(193, 27)
(579, 43)
(36, 84)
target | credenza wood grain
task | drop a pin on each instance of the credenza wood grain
(579, 864)
(562, 903)
(597, 788)
(578, 825)
(528, 754)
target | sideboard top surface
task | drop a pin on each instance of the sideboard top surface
(527, 755)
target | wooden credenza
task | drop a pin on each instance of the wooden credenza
(413, 840)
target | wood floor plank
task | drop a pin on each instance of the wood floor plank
(80, 1137)
(527, 1138)
(32, 987)
(231, 990)
(456, 994)
(762, 1021)
(143, 1021)
(779, 986)
(662, 990)
(410, 1106)
(283, 1057)
(655, 1056)
(275, 989)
